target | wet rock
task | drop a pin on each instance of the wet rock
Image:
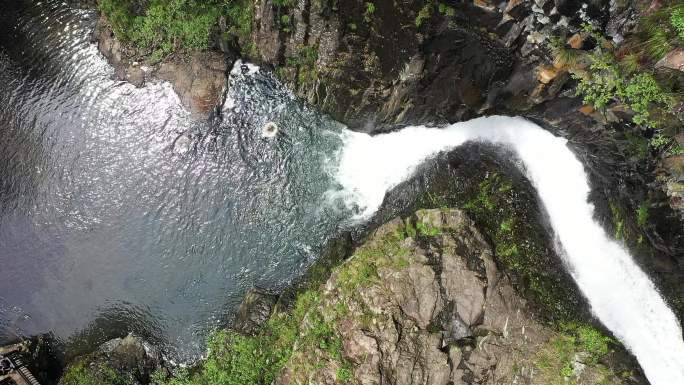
(254, 311)
(129, 360)
(136, 76)
(198, 80)
(339, 60)
(671, 176)
(467, 289)
(674, 165)
(679, 138)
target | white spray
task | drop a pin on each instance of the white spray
(620, 294)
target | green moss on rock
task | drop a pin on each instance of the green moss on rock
(80, 373)
(518, 245)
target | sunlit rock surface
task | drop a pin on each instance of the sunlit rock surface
(423, 302)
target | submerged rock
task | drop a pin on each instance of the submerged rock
(128, 360)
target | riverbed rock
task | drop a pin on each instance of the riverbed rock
(432, 268)
(254, 311)
(129, 360)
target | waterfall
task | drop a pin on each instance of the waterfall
(620, 294)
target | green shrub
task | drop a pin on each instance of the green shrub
(120, 16)
(642, 92)
(344, 374)
(659, 141)
(239, 16)
(285, 23)
(235, 359)
(642, 214)
(606, 82)
(427, 230)
(555, 361)
(677, 20)
(98, 374)
(370, 10)
(446, 10)
(165, 26)
(593, 342)
(676, 150)
(424, 13)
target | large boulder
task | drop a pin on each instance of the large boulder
(128, 360)
(199, 80)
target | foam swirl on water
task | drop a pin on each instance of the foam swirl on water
(620, 294)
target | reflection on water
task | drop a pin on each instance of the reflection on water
(118, 209)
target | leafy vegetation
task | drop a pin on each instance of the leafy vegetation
(311, 325)
(606, 82)
(239, 17)
(427, 230)
(285, 23)
(618, 220)
(626, 75)
(493, 207)
(236, 359)
(368, 13)
(80, 374)
(446, 10)
(304, 60)
(424, 14)
(666, 144)
(164, 26)
(677, 20)
(576, 343)
(161, 27)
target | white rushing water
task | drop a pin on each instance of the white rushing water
(620, 294)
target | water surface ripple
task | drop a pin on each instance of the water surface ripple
(116, 206)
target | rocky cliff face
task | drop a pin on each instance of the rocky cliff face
(423, 302)
(379, 65)
(375, 67)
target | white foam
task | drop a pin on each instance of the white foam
(620, 294)
(239, 65)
